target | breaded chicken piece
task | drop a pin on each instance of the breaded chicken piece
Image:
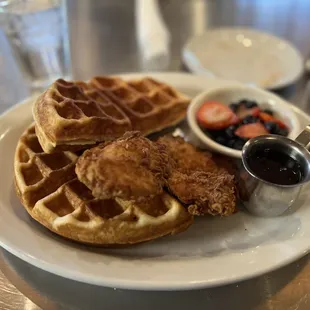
(205, 192)
(240, 177)
(186, 157)
(130, 168)
(198, 181)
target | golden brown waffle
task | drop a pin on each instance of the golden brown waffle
(67, 119)
(150, 105)
(52, 195)
(38, 174)
(74, 115)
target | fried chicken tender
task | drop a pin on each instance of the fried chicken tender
(198, 181)
(205, 192)
(186, 157)
(131, 167)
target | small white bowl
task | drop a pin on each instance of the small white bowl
(229, 94)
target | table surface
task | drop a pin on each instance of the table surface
(103, 41)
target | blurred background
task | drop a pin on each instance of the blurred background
(110, 36)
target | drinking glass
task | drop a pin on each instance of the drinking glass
(37, 32)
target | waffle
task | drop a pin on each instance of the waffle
(49, 190)
(150, 105)
(75, 115)
(38, 174)
(69, 119)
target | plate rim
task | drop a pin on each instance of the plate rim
(145, 284)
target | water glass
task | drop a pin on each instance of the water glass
(37, 32)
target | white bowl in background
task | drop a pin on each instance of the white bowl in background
(245, 55)
(229, 94)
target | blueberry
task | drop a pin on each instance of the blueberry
(231, 142)
(249, 119)
(243, 102)
(282, 132)
(205, 130)
(230, 131)
(251, 104)
(268, 111)
(238, 144)
(221, 140)
(234, 107)
(215, 133)
(208, 132)
(272, 127)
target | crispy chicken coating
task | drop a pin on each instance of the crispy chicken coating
(198, 180)
(130, 167)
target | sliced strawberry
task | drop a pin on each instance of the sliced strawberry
(251, 131)
(265, 117)
(269, 118)
(234, 120)
(242, 112)
(216, 115)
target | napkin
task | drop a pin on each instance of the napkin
(153, 36)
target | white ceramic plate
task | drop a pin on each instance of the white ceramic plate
(214, 251)
(244, 55)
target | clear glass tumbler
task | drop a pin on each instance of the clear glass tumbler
(38, 33)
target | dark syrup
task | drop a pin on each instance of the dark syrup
(275, 167)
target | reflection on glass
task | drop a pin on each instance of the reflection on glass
(36, 31)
